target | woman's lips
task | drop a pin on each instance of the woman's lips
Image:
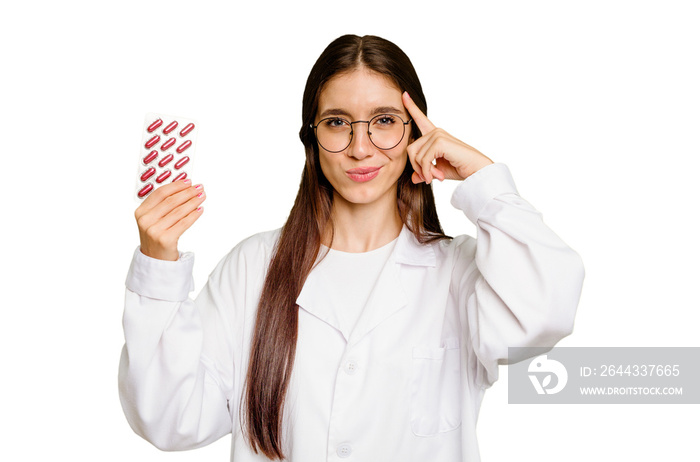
(362, 174)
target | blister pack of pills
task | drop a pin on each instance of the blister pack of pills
(166, 152)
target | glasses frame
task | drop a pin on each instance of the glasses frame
(352, 131)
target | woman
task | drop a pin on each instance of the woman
(359, 330)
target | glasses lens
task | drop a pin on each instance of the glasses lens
(334, 134)
(386, 130)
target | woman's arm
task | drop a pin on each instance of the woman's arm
(176, 370)
(177, 366)
(521, 285)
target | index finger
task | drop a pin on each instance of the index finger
(424, 125)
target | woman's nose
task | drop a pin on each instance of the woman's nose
(360, 145)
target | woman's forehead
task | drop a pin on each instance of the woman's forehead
(359, 92)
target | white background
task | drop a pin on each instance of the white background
(595, 107)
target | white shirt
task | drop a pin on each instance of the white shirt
(407, 383)
(351, 278)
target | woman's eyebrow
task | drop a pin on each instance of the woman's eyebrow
(385, 110)
(334, 112)
(373, 112)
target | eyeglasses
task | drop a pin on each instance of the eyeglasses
(385, 131)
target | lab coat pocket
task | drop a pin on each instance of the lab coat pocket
(435, 397)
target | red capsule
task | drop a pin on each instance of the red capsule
(153, 155)
(163, 176)
(165, 160)
(167, 144)
(181, 176)
(148, 173)
(184, 146)
(180, 163)
(154, 125)
(146, 189)
(152, 142)
(188, 128)
(171, 126)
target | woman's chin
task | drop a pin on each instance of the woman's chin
(364, 195)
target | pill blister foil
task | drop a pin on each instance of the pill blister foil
(167, 147)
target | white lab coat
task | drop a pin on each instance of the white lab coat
(407, 383)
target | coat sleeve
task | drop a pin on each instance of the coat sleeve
(520, 285)
(177, 374)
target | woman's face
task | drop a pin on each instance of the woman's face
(362, 173)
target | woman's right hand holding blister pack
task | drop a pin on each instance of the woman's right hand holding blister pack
(169, 203)
(165, 214)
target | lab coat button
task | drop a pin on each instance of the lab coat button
(350, 367)
(344, 450)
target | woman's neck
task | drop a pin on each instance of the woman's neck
(363, 227)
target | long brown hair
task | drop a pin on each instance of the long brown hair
(275, 335)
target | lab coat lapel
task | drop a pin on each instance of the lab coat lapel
(389, 294)
(317, 298)
(387, 297)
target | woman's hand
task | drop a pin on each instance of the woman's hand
(165, 214)
(437, 154)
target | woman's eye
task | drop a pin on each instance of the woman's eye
(385, 120)
(336, 123)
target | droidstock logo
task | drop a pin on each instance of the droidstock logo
(546, 368)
